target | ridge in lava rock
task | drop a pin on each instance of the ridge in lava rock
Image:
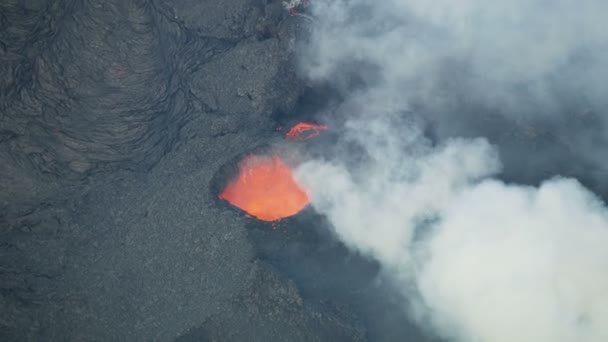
(265, 188)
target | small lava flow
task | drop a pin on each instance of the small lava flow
(304, 131)
(265, 188)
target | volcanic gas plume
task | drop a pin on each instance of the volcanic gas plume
(265, 188)
(478, 254)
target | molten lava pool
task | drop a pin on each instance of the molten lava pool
(265, 188)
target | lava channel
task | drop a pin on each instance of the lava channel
(265, 188)
(304, 131)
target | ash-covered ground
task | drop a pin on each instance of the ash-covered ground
(118, 118)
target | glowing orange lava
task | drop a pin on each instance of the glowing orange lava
(265, 188)
(304, 131)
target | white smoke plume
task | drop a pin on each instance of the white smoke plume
(540, 63)
(496, 262)
(480, 259)
(509, 53)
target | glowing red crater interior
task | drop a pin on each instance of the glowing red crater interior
(265, 188)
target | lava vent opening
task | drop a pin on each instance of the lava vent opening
(264, 187)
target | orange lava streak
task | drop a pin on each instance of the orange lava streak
(304, 131)
(265, 188)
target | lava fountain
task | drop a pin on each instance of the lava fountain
(265, 188)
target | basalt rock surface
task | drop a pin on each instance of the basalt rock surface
(114, 118)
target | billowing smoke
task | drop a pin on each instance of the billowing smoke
(478, 258)
(510, 54)
(542, 65)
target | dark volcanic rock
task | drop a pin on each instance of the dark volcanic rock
(277, 306)
(154, 256)
(114, 118)
(89, 87)
(105, 68)
(232, 20)
(249, 79)
(99, 90)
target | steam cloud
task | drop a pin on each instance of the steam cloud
(480, 259)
